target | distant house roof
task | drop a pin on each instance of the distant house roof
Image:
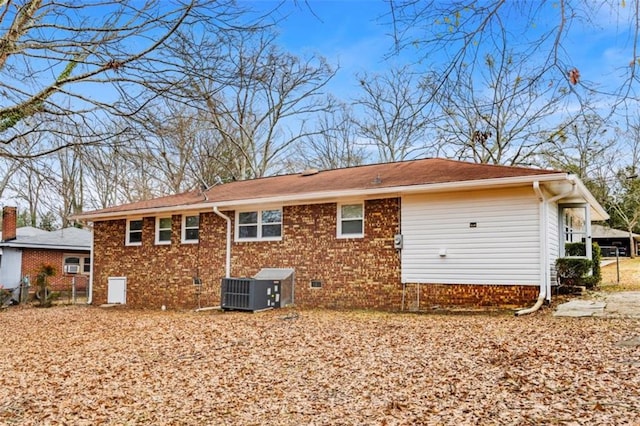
(63, 239)
(367, 180)
(600, 231)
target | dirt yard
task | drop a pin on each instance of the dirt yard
(85, 366)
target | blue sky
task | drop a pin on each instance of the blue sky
(350, 33)
(347, 33)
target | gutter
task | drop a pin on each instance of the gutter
(323, 196)
(545, 272)
(228, 251)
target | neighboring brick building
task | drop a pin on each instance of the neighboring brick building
(24, 251)
(386, 236)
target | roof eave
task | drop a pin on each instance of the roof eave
(89, 217)
(397, 190)
(600, 213)
(44, 246)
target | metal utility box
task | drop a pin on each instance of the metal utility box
(283, 280)
(249, 294)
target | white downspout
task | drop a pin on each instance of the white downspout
(228, 254)
(545, 284)
(542, 212)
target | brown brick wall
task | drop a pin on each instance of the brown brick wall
(354, 272)
(425, 296)
(9, 223)
(33, 259)
(160, 274)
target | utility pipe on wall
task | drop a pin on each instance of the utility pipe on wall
(542, 211)
(228, 254)
(545, 278)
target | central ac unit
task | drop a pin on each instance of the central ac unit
(248, 294)
(71, 269)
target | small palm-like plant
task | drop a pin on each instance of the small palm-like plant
(43, 293)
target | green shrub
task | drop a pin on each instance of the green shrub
(575, 271)
(572, 271)
(575, 249)
(596, 274)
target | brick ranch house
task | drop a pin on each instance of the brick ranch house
(24, 250)
(384, 236)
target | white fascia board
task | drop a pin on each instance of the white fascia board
(598, 212)
(152, 211)
(325, 196)
(45, 246)
(330, 196)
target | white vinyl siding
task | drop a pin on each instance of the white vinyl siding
(502, 248)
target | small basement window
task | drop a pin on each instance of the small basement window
(316, 284)
(134, 232)
(351, 220)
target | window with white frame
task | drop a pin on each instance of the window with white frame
(163, 230)
(134, 232)
(76, 264)
(259, 225)
(190, 228)
(575, 224)
(351, 220)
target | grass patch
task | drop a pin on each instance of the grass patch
(629, 276)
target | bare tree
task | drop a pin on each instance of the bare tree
(458, 33)
(85, 60)
(334, 145)
(498, 114)
(170, 136)
(255, 98)
(30, 185)
(584, 146)
(394, 116)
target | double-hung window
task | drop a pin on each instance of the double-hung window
(134, 232)
(190, 228)
(163, 230)
(259, 225)
(351, 220)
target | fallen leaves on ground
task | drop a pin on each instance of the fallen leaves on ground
(85, 366)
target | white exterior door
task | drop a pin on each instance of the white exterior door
(117, 290)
